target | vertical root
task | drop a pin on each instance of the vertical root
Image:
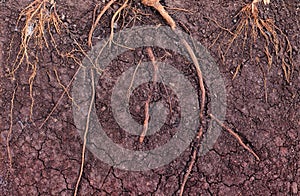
(200, 78)
(188, 172)
(132, 79)
(147, 104)
(30, 82)
(156, 5)
(10, 127)
(113, 20)
(201, 114)
(95, 23)
(146, 121)
(85, 134)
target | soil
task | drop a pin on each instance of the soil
(46, 161)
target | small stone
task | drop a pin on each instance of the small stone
(103, 108)
(63, 16)
(115, 25)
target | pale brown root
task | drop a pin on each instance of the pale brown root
(77, 61)
(185, 28)
(236, 136)
(146, 121)
(30, 82)
(288, 69)
(238, 31)
(92, 69)
(147, 104)
(273, 37)
(95, 23)
(156, 5)
(60, 98)
(201, 113)
(188, 172)
(38, 15)
(133, 77)
(56, 21)
(154, 63)
(85, 134)
(113, 20)
(244, 44)
(81, 50)
(10, 127)
(180, 9)
(220, 26)
(254, 2)
(236, 71)
(200, 77)
(64, 88)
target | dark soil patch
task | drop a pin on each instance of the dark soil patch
(46, 161)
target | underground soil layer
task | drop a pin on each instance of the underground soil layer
(46, 160)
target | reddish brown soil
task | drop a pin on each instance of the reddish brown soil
(46, 161)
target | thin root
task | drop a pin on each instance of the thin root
(85, 134)
(147, 104)
(188, 172)
(38, 15)
(133, 77)
(95, 23)
(10, 127)
(113, 20)
(201, 114)
(236, 136)
(251, 25)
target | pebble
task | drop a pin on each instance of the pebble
(115, 25)
(63, 16)
(103, 109)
